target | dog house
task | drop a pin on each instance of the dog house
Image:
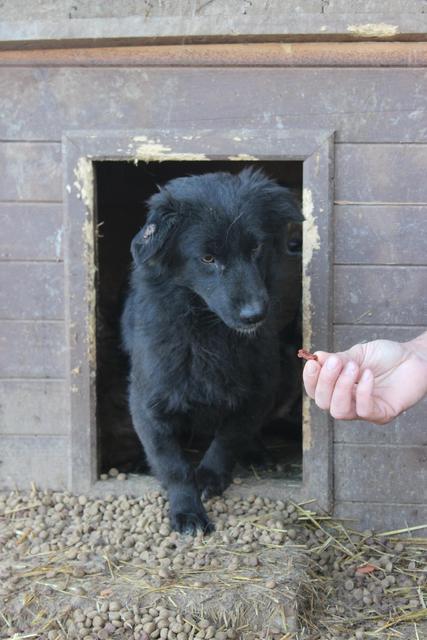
(98, 109)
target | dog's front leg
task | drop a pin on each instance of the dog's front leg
(214, 472)
(168, 463)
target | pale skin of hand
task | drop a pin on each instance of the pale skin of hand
(374, 381)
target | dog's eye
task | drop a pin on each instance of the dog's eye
(295, 245)
(208, 259)
(257, 250)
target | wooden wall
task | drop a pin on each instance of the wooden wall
(380, 221)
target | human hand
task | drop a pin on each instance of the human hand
(374, 381)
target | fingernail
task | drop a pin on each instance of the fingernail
(332, 363)
(350, 368)
(310, 368)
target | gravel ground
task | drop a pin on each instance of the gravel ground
(79, 567)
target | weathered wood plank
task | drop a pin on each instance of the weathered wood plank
(383, 517)
(31, 231)
(33, 407)
(265, 54)
(362, 105)
(231, 27)
(408, 428)
(380, 295)
(32, 349)
(43, 460)
(30, 170)
(32, 291)
(380, 235)
(380, 473)
(381, 173)
(373, 6)
(345, 336)
(84, 9)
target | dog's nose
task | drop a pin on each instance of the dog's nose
(253, 312)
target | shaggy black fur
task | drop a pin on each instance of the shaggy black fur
(201, 327)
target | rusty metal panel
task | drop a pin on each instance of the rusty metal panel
(32, 349)
(266, 54)
(362, 105)
(376, 173)
(42, 460)
(408, 428)
(380, 234)
(382, 517)
(380, 473)
(32, 291)
(380, 295)
(30, 170)
(33, 407)
(31, 231)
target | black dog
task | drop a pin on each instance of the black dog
(201, 326)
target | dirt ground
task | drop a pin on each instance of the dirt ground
(79, 567)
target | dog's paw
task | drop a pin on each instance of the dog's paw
(210, 482)
(191, 522)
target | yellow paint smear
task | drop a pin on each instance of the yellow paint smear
(84, 184)
(84, 181)
(152, 151)
(243, 156)
(311, 243)
(371, 30)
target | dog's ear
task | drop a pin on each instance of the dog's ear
(152, 241)
(279, 201)
(285, 205)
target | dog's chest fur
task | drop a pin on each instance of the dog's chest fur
(184, 360)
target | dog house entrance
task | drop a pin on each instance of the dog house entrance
(105, 192)
(122, 189)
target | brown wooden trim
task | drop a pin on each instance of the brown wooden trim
(331, 54)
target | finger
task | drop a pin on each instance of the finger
(322, 356)
(326, 383)
(343, 405)
(367, 406)
(365, 402)
(310, 375)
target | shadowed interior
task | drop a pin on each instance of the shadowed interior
(122, 190)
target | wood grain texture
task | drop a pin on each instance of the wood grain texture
(373, 173)
(30, 170)
(266, 54)
(380, 473)
(345, 336)
(32, 349)
(380, 295)
(42, 460)
(31, 231)
(33, 407)
(408, 428)
(373, 6)
(32, 291)
(380, 234)
(362, 105)
(383, 517)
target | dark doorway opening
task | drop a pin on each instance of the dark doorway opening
(122, 188)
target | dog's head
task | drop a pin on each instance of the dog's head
(220, 235)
